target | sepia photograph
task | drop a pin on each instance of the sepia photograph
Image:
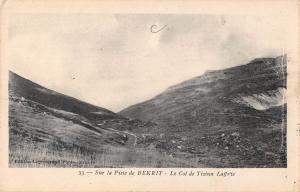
(90, 90)
(154, 96)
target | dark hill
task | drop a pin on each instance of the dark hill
(234, 117)
(61, 131)
(22, 87)
(237, 97)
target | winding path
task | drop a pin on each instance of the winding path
(132, 138)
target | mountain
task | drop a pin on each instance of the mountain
(50, 129)
(231, 115)
(21, 87)
(237, 97)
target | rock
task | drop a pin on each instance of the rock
(236, 134)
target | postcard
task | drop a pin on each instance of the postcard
(149, 95)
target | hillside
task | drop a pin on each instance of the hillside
(205, 114)
(49, 129)
(234, 117)
(22, 87)
(235, 97)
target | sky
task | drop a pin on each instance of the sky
(115, 60)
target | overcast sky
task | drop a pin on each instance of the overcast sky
(114, 61)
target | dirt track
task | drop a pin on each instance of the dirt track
(132, 139)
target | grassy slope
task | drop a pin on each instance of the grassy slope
(22, 87)
(55, 130)
(207, 101)
(194, 116)
(199, 124)
(38, 135)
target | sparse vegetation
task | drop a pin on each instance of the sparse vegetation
(38, 138)
(199, 123)
(36, 154)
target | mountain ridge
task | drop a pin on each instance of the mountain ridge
(31, 90)
(212, 92)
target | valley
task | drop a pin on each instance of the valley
(234, 117)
